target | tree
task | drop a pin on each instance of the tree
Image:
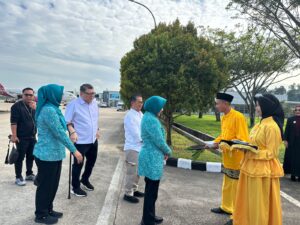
(255, 62)
(278, 90)
(294, 93)
(173, 62)
(281, 17)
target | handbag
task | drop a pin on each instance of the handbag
(12, 155)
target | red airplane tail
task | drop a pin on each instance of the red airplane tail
(3, 91)
(1, 87)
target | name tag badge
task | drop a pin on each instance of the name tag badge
(294, 122)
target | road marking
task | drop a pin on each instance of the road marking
(112, 195)
(290, 198)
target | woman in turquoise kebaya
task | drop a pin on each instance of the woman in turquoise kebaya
(49, 151)
(152, 155)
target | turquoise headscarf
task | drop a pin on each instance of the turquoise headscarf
(51, 95)
(154, 104)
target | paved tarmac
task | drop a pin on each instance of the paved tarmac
(185, 196)
(5, 107)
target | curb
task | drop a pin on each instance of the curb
(107, 214)
(213, 167)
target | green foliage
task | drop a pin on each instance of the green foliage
(278, 90)
(255, 61)
(251, 55)
(294, 93)
(173, 62)
(282, 18)
(196, 154)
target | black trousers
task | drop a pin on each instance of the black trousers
(25, 147)
(88, 151)
(47, 182)
(151, 191)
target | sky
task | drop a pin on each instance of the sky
(71, 42)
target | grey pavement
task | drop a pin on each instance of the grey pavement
(185, 196)
(17, 203)
(5, 107)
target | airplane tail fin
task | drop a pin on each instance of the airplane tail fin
(3, 91)
(1, 87)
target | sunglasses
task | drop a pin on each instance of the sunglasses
(297, 110)
(28, 95)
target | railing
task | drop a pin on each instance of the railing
(196, 133)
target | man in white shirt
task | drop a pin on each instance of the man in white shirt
(82, 117)
(133, 144)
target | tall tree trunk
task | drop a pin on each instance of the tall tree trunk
(200, 115)
(252, 114)
(218, 115)
(169, 124)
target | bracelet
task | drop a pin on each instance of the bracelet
(72, 133)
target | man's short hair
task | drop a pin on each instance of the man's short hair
(134, 97)
(27, 89)
(84, 87)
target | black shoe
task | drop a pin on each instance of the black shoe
(219, 211)
(138, 194)
(230, 222)
(142, 223)
(131, 199)
(30, 177)
(46, 220)
(56, 214)
(79, 192)
(87, 185)
(293, 178)
(158, 219)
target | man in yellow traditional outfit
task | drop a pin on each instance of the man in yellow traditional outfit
(233, 127)
(258, 194)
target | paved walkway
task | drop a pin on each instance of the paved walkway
(185, 197)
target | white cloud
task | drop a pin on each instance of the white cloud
(75, 41)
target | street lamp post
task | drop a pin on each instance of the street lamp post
(147, 9)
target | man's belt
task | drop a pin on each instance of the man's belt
(233, 174)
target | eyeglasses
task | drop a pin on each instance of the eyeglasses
(297, 110)
(92, 93)
(28, 95)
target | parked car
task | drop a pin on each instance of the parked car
(120, 106)
(103, 105)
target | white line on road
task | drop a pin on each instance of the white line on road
(112, 195)
(290, 198)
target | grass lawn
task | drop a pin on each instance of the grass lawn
(180, 149)
(208, 125)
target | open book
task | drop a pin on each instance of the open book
(237, 144)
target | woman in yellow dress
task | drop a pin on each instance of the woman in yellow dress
(258, 193)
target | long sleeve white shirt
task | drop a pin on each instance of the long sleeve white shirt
(132, 127)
